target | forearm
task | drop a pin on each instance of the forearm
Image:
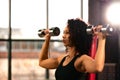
(44, 50)
(100, 54)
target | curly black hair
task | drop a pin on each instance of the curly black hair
(78, 36)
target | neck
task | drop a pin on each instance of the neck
(71, 51)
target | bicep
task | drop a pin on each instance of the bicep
(89, 64)
(50, 63)
(85, 64)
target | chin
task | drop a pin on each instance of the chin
(65, 45)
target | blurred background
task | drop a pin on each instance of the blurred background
(20, 44)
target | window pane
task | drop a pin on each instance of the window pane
(28, 16)
(26, 59)
(3, 61)
(4, 19)
(4, 13)
(62, 10)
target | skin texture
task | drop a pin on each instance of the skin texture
(84, 63)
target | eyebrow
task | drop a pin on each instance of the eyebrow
(66, 31)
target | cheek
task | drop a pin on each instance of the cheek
(68, 40)
(68, 36)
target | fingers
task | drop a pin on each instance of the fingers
(97, 31)
(47, 33)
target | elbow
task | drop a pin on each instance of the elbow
(99, 68)
(40, 63)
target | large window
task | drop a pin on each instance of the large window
(26, 18)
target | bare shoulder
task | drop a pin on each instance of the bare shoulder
(61, 57)
(85, 58)
(82, 57)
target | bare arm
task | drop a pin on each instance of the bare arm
(100, 54)
(89, 64)
(44, 61)
(97, 64)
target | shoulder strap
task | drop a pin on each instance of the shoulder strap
(62, 60)
(75, 57)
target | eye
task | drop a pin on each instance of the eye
(66, 32)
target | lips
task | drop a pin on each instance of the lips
(64, 41)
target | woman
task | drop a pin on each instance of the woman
(77, 62)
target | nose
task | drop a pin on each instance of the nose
(63, 36)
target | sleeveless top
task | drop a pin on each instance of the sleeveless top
(68, 72)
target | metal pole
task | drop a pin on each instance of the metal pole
(47, 13)
(47, 19)
(9, 44)
(82, 9)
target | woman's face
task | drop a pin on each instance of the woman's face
(66, 36)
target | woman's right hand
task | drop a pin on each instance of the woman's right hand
(47, 34)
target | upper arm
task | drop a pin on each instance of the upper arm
(50, 63)
(89, 64)
(85, 64)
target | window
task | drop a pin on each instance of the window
(27, 17)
